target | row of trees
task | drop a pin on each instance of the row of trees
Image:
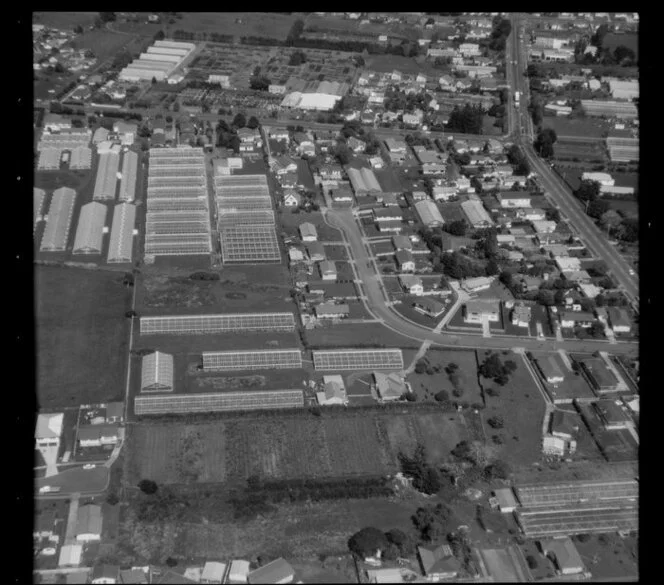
(625, 229)
(516, 157)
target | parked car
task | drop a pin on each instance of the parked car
(89, 466)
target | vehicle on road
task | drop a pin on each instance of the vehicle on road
(89, 466)
(48, 489)
(631, 272)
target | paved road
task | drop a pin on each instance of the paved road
(376, 304)
(594, 238)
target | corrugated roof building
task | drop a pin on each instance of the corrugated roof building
(59, 220)
(129, 170)
(106, 176)
(157, 372)
(90, 230)
(476, 214)
(122, 232)
(429, 213)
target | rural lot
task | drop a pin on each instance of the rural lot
(82, 336)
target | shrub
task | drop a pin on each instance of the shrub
(442, 396)
(496, 422)
(532, 562)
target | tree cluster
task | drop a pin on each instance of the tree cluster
(432, 522)
(425, 477)
(516, 156)
(493, 368)
(467, 120)
(502, 28)
(458, 266)
(544, 142)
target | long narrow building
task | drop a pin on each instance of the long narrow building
(59, 220)
(90, 230)
(128, 181)
(107, 176)
(122, 233)
(37, 206)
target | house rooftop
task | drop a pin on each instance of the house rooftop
(438, 560)
(49, 426)
(275, 572)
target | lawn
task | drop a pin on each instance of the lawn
(240, 24)
(356, 335)
(388, 180)
(335, 252)
(104, 43)
(521, 406)
(624, 208)
(573, 386)
(608, 556)
(81, 336)
(613, 40)
(291, 221)
(426, 385)
(586, 127)
(451, 211)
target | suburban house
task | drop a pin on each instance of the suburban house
(505, 500)
(332, 311)
(612, 415)
(514, 199)
(376, 162)
(282, 164)
(402, 242)
(438, 563)
(478, 311)
(213, 572)
(444, 192)
(389, 386)
(564, 554)
(328, 271)
(291, 198)
(388, 199)
(136, 576)
(295, 255)
(70, 555)
(289, 180)
(600, 376)
(316, 251)
(405, 261)
(411, 284)
(308, 232)
(570, 319)
(330, 172)
(98, 435)
(430, 307)
(521, 315)
(619, 320)
(114, 412)
(429, 213)
(564, 425)
(355, 145)
(550, 369)
(88, 523)
(477, 284)
(238, 571)
(334, 391)
(49, 430)
(105, 574)
(278, 571)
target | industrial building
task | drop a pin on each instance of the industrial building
(160, 61)
(609, 108)
(81, 158)
(623, 149)
(122, 232)
(128, 181)
(59, 220)
(363, 181)
(429, 213)
(49, 159)
(107, 176)
(477, 216)
(90, 230)
(157, 372)
(37, 205)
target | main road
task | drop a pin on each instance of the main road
(570, 207)
(377, 304)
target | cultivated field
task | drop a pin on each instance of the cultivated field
(104, 43)
(230, 451)
(240, 24)
(356, 335)
(81, 336)
(64, 20)
(521, 407)
(587, 128)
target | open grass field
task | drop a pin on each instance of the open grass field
(291, 221)
(81, 336)
(388, 180)
(585, 127)
(613, 40)
(522, 407)
(240, 24)
(356, 335)
(625, 208)
(104, 43)
(64, 20)
(609, 556)
(230, 451)
(426, 386)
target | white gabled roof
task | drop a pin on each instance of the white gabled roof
(49, 425)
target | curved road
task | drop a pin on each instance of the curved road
(376, 304)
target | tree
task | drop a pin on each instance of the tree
(493, 392)
(367, 542)
(598, 208)
(610, 220)
(107, 16)
(297, 58)
(492, 268)
(462, 450)
(498, 470)
(546, 138)
(259, 83)
(253, 123)
(624, 55)
(456, 228)
(491, 367)
(587, 191)
(532, 562)
(432, 522)
(159, 35)
(545, 297)
(400, 539)
(176, 106)
(147, 486)
(240, 121)
(442, 396)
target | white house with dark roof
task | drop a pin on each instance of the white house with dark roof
(477, 311)
(411, 284)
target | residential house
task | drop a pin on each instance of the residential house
(88, 523)
(238, 571)
(289, 180)
(402, 243)
(444, 192)
(127, 132)
(334, 391)
(316, 251)
(135, 576)
(327, 269)
(291, 198)
(308, 232)
(506, 500)
(332, 311)
(565, 555)
(550, 369)
(342, 194)
(98, 435)
(282, 165)
(570, 319)
(405, 261)
(376, 162)
(70, 555)
(419, 196)
(115, 413)
(612, 415)
(600, 375)
(278, 571)
(388, 199)
(388, 219)
(472, 285)
(395, 145)
(428, 306)
(105, 574)
(48, 430)
(411, 284)
(511, 200)
(564, 424)
(462, 184)
(532, 214)
(567, 263)
(330, 172)
(250, 136)
(577, 276)
(213, 572)
(521, 315)
(619, 320)
(389, 386)
(438, 563)
(477, 311)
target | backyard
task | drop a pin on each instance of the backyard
(81, 336)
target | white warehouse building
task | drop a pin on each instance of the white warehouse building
(159, 61)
